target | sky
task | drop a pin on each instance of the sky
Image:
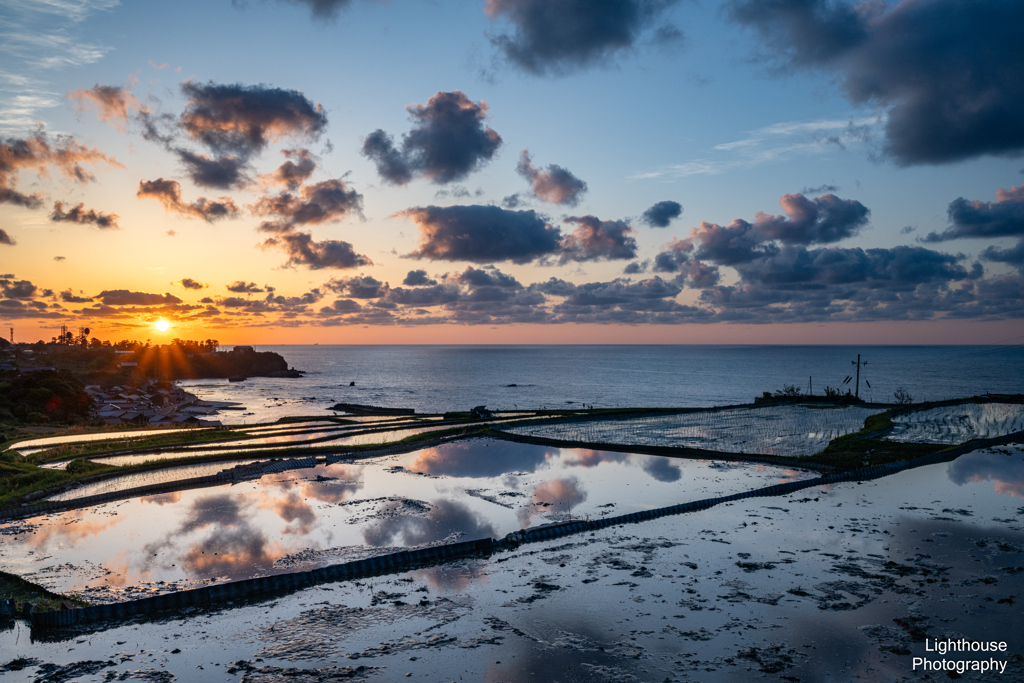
(513, 171)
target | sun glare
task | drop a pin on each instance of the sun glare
(162, 325)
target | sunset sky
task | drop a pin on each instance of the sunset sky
(513, 171)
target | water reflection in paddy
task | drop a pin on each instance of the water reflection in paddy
(306, 518)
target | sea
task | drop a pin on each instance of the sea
(436, 379)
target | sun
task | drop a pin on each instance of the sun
(162, 325)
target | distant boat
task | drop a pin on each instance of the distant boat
(236, 379)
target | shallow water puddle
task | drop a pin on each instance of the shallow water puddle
(301, 519)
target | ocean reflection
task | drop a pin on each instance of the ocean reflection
(443, 519)
(1005, 468)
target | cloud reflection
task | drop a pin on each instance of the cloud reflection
(442, 520)
(481, 458)
(557, 496)
(1007, 471)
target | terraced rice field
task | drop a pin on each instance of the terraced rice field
(792, 431)
(957, 424)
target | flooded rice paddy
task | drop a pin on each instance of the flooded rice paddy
(302, 519)
(791, 430)
(958, 423)
(831, 583)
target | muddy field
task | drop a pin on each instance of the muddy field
(829, 584)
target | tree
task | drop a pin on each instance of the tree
(902, 396)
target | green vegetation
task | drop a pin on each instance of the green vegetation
(43, 396)
(21, 477)
(25, 593)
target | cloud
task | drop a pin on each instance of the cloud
(69, 297)
(243, 287)
(1013, 256)
(661, 469)
(359, 287)
(948, 99)
(417, 278)
(562, 36)
(168, 193)
(555, 186)
(1002, 218)
(482, 234)
(322, 10)
(329, 200)
(596, 240)
(637, 267)
(79, 214)
(222, 172)
(489, 276)
(294, 172)
(675, 258)
(481, 459)
(302, 250)
(661, 214)
(448, 141)
(189, 283)
(245, 119)
(813, 221)
(113, 104)
(38, 152)
(557, 496)
(1007, 472)
(17, 289)
(5, 238)
(124, 297)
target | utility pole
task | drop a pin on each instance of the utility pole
(858, 364)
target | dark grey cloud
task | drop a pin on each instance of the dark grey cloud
(814, 221)
(69, 297)
(902, 267)
(948, 70)
(113, 103)
(597, 240)
(221, 172)
(358, 287)
(5, 238)
(322, 10)
(561, 36)
(488, 276)
(329, 200)
(482, 234)
(728, 245)
(513, 201)
(295, 171)
(124, 297)
(662, 213)
(1013, 256)
(418, 278)
(243, 287)
(168, 193)
(79, 214)
(189, 283)
(637, 267)
(241, 119)
(303, 250)
(1002, 218)
(675, 258)
(448, 141)
(17, 289)
(556, 185)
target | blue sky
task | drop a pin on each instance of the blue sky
(737, 108)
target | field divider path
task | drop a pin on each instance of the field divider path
(228, 594)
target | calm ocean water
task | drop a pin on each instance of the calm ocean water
(440, 378)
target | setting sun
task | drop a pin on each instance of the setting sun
(162, 325)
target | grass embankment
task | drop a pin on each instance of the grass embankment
(20, 476)
(25, 593)
(862, 450)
